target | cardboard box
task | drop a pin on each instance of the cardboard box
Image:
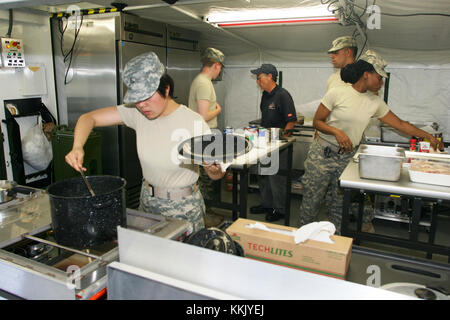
(329, 259)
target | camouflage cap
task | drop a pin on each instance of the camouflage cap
(213, 54)
(141, 75)
(343, 42)
(376, 61)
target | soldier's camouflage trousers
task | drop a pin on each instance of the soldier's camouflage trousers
(209, 188)
(368, 211)
(322, 171)
(190, 208)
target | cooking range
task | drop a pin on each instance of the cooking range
(34, 266)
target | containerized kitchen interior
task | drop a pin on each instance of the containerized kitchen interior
(61, 59)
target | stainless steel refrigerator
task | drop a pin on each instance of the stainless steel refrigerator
(89, 56)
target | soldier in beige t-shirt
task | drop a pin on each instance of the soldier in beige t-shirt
(202, 96)
(161, 124)
(341, 118)
(343, 51)
(202, 99)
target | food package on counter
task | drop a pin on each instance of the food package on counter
(430, 172)
(276, 244)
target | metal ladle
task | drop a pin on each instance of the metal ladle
(87, 183)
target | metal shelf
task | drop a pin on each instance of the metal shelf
(401, 218)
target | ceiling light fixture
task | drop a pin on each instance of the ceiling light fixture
(264, 17)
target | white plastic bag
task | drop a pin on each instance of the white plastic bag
(36, 149)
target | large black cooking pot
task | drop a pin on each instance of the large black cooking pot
(82, 221)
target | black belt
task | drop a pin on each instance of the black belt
(329, 147)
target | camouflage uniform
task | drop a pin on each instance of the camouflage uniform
(338, 44)
(378, 64)
(190, 208)
(342, 42)
(209, 188)
(142, 76)
(322, 173)
(214, 54)
(376, 61)
(368, 211)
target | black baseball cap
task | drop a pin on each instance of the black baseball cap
(266, 68)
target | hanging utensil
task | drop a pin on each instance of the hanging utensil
(87, 183)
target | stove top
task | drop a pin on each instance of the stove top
(34, 266)
(43, 248)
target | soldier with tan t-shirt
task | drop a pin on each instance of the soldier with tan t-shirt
(170, 186)
(342, 52)
(202, 99)
(341, 118)
(202, 96)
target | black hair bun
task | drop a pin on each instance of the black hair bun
(352, 72)
(349, 74)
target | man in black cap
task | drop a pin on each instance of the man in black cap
(277, 111)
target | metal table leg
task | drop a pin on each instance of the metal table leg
(243, 193)
(414, 235)
(345, 212)
(235, 195)
(359, 218)
(287, 214)
(433, 223)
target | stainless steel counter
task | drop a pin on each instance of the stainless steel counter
(350, 179)
(26, 215)
(170, 270)
(416, 193)
(34, 266)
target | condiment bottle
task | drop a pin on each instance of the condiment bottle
(412, 145)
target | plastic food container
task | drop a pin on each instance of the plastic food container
(380, 162)
(430, 172)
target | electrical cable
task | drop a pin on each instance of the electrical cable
(62, 31)
(416, 14)
(69, 55)
(362, 49)
(364, 11)
(407, 14)
(348, 15)
(365, 29)
(8, 34)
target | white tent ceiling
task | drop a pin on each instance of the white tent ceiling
(414, 32)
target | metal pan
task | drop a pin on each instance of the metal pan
(6, 190)
(214, 148)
